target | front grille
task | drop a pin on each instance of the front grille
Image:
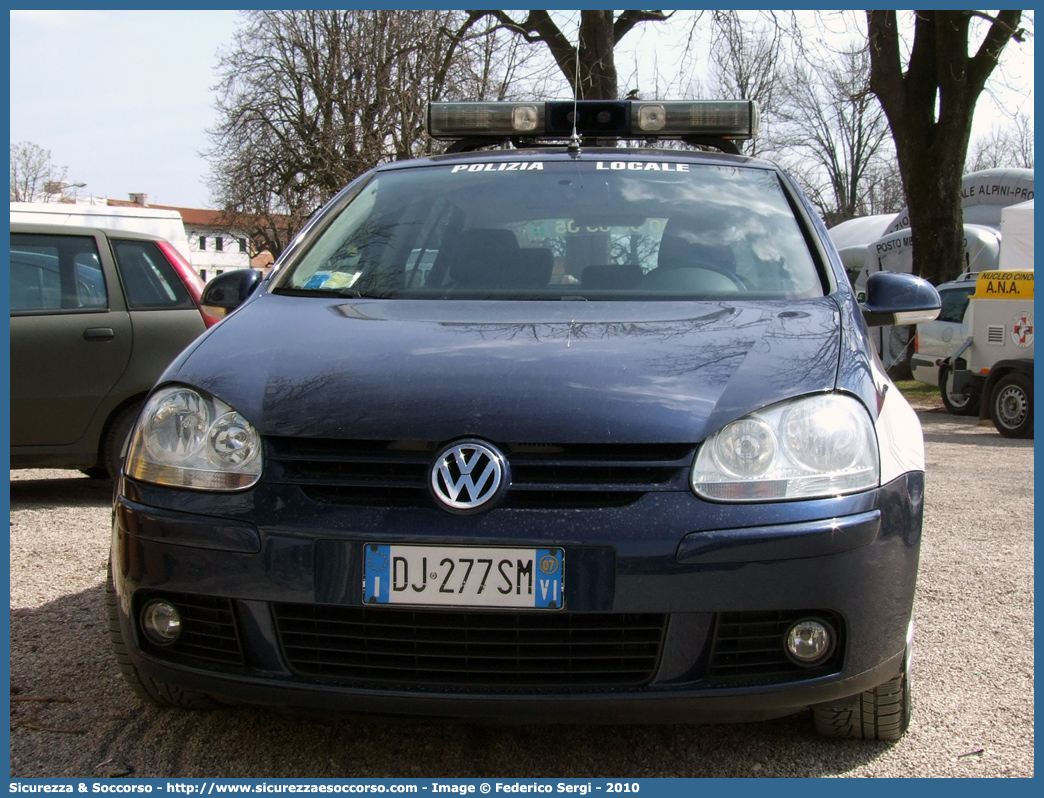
(395, 473)
(517, 651)
(748, 647)
(208, 629)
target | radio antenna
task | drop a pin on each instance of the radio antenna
(574, 140)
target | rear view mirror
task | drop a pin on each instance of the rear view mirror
(228, 291)
(895, 298)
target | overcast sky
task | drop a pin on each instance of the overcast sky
(124, 99)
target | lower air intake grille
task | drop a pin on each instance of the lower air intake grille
(208, 629)
(534, 651)
(748, 647)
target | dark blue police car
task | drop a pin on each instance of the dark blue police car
(554, 431)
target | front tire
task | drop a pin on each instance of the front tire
(144, 687)
(879, 714)
(957, 403)
(117, 438)
(1011, 406)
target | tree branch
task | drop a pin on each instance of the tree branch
(628, 19)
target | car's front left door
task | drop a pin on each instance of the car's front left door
(70, 334)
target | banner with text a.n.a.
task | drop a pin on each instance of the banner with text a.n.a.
(1004, 285)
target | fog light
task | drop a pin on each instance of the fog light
(809, 642)
(161, 621)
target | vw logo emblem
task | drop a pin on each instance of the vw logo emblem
(468, 475)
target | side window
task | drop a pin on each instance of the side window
(56, 273)
(149, 281)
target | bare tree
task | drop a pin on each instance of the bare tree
(589, 65)
(748, 62)
(502, 66)
(308, 100)
(833, 125)
(883, 187)
(34, 178)
(1007, 146)
(929, 97)
(818, 117)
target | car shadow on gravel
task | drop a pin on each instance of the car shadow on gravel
(942, 427)
(72, 716)
(29, 493)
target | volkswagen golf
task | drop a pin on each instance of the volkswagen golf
(560, 426)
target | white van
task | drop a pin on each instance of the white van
(997, 357)
(152, 221)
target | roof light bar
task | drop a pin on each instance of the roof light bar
(454, 120)
(668, 119)
(732, 119)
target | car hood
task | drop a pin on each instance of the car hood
(512, 371)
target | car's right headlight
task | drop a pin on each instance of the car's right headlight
(188, 439)
(808, 448)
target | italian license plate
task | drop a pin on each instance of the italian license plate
(463, 577)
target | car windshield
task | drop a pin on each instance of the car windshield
(592, 229)
(955, 302)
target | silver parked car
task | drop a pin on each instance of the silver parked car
(940, 339)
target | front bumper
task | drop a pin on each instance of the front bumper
(699, 567)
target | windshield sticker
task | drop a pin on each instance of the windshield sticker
(317, 280)
(640, 166)
(511, 166)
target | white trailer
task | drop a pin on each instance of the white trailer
(163, 223)
(1017, 230)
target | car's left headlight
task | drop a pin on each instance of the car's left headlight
(814, 447)
(189, 439)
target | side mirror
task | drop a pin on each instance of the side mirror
(228, 291)
(895, 298)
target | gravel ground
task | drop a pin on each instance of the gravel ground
(71, 715)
